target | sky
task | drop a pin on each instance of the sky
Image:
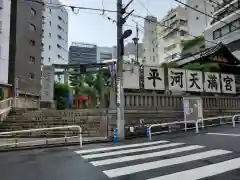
(91, 27)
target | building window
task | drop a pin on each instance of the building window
(217, 34)
(59, 37)
(196, 6)
(31, 76)
(153, 58)
(59, 27)
(49, 59)
(32, 42)
(60, 47)
(50, 11)
(235, 25)
(225, 30)
(33, 12)
(49, 47)
(59, 56)
(197, 18)
(153, 49)
(60, 18)
(32, 27)
(50, 23)
(32, 60)
(50, 34)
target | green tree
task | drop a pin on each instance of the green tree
(61, 92)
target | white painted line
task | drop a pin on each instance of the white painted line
(203, 172)
(143, 156)
(119, 147)
(90, 156)
(222, 134)
(162, 163)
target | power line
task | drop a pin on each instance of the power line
(113, 11)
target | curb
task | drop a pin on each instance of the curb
(52, 145)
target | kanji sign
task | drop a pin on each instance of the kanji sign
(228, 83)
(154, 78)
(194, 81)
(212, 82)
(177, 79)
(131, 76)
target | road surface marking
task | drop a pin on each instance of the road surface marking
(222, 134)
(203, 172)
(90, 156)
(162, 163)
(144, 156)
(119, 147)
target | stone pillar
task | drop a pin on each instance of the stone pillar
(66, 76)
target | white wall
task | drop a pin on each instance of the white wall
(51, 35)
(150, 42)
(197, 21)
(4, 40)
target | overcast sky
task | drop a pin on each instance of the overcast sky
(95, 28)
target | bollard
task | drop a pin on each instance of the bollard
(115, 138)
(148, 131)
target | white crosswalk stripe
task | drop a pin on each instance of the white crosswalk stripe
(122, 160)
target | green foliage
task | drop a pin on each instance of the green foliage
(189, 43)
(93, 85)
(206, 67)
(61, 92)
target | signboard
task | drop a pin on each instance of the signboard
(154, 78)
(131, 75)
(228, 83)
(212, 82)
(47, 84)
(194, 81)
(177, 79)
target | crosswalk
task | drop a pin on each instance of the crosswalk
(161, 160)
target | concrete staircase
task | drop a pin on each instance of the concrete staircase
(93, 125)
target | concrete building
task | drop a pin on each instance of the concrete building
(25, 47)
(226, 33)
(197, 22)
(82, 53)
(5, 10)
(104, 53)
(55, 35)
(174, 31)
(150, 41)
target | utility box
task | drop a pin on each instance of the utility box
(193, 110)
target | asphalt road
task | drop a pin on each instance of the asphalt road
(184, 156)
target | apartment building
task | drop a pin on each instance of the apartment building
(54, 35)
(104, 53)
(172, 33)
(197, 22)
(227, 30)
(150, 41)
(25, 47)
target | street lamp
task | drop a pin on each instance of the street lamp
(135, 40)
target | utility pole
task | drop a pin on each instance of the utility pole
(119, 79)
(135, 40)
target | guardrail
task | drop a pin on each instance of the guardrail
(42, 129)
(167, 124)
(197, 122)
(233, 119)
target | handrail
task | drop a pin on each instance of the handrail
(10, 104)
(233, 119)
(195, 122)
(207, 119)
(44, 129)
(166, 124)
